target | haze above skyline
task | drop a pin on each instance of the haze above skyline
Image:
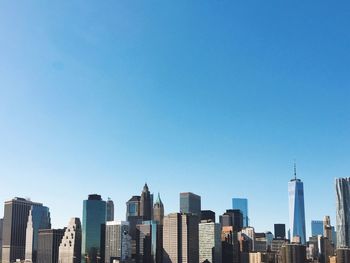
(213, 97)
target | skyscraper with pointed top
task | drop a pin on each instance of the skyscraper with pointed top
(158, 210)
(296, 208)
(146, 204)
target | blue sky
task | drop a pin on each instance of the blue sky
(213, 97)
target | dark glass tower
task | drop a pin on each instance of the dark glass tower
(190, 203)
(110, 210)
(94, 215)
(146, 204)
(280, 231)
(242, 204)
(16, 213)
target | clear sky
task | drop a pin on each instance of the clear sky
(214, 97)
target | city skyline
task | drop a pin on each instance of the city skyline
(214, 98)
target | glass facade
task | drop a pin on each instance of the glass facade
(94, 215)
(190, 203)
(297, 209)
(242, 204)
(316, 228)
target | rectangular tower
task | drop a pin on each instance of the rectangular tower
(190, 203)
(242, 204)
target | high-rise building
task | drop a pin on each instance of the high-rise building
(70, 246)
(280, 231)
(1, 228)
(293, 253)
(146, 204)
(110, 210)
(207, 215)
(343, 255)
(16, 213)
(242, 204)
(230, 245)
(94, 215)
(190, 203)
(232, 217)
(133, 206)
(210, 242)
(149, 239)
(38, 218)
(48, 245)
(247, 234)
(158, 210)
(343, 211)
(328, 228)
(296, 208)
(316, 228)
(117, 242)
(180, 238)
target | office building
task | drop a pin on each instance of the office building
(280, 231)
(316, 228)
(242, 205)
(293, 253)
(94, 215)
(117, 241)
(146, 204)
(110, 210)
(247, 235)
(38, 218)
(48, 245)
(16, 212)
(70, 246)
(230, 245)
(296, 208)
(1, 227)
(343, 211)
(343, 255)
(190, 203)
(158, 210)
(210, 242)
(133, 206)
(180, 238)
(232, 217)
(328, 228)
(207, 216)
(150, 242)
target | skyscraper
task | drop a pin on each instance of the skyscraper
(180, 238)
(146, 204)
(210, 242)
(280, 231)
(158, 210)
(296, 208)
(94, 215)
(39, 218)
(70, 247)
(1, 228)
(232, 217)
(110, 210)
(16, 213)
(133, 206)
(118, 241)
(316, 228)
(208, 215)
(343, 211)
(190, 203)
(242, 204)
(48, 245)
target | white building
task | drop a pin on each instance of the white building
(210, 242)
(70, 247)
(117, 241)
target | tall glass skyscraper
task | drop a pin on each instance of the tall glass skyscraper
(242, 204)
(94, 215)
(296, 208)
(343, 211)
